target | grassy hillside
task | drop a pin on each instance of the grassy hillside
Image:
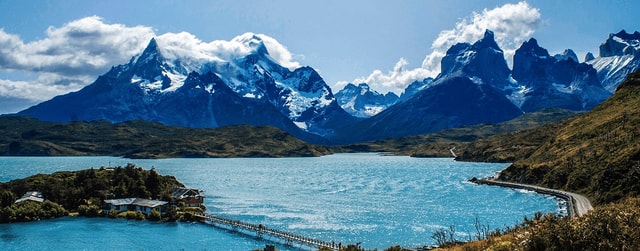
(614, 226)
(22, 136)
(597, 154)
(507, 147)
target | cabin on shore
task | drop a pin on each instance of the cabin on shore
(31, 196)
(191, 197)
(135, 204)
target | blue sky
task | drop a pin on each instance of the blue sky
(386, 43)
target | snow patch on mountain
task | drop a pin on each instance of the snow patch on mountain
(361, 101)
(619, 56)
(191, 53)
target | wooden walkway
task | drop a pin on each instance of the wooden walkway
(263, 232)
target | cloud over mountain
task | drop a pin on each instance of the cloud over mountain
(68, 58)
(71, 56)
(185, 45)
(396, 80)
(512, 24)
(84, 46)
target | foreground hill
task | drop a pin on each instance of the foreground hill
(597, 154)
(22, 136)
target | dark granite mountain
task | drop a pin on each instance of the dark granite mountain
(558, 81)
(415, 87)
(619, 56)
(468, 91)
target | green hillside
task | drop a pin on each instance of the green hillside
(22, 136)
(597, 154)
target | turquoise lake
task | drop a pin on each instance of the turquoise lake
(377, 200)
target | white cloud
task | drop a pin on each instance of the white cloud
(279, 52)
(73, 55)
(512, 24)
(85, 46)
(190, 49)
(68, 58)
(47, 85)
(395, 80)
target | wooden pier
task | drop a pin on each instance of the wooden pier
(263, 232)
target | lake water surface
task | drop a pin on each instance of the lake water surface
(374, 199)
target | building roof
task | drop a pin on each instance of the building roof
(182, 192)
(120, 202)
(149, 203)
(136, 202)
(32, 196)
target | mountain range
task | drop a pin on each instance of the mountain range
(361, 101)
(250, 87)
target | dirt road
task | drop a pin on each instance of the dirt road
(578, 204)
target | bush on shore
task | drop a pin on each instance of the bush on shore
(614, 226)
(30, 211)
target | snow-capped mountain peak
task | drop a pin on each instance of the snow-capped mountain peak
(154, 73)
(487, 41)
(248, 79)
(621, 43)
(253, 43)
(567, 54)
(362, 101)
(558, 81)
(483, 59)
(619, 56)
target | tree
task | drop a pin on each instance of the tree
(6, 198)
(89, 210)
(154, 215)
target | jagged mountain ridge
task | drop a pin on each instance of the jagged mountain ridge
(559, 81)
(361, 101)
(619, 56)
(469, 90)
(562, 80)
(252, 89)
(477, 74)
(474, 86)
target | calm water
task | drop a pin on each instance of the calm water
(377, 200)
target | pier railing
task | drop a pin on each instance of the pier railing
(262, 232)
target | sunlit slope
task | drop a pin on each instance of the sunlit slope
(597, 153)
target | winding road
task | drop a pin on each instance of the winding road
(579, 205)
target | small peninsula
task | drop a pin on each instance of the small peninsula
(129, 191)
